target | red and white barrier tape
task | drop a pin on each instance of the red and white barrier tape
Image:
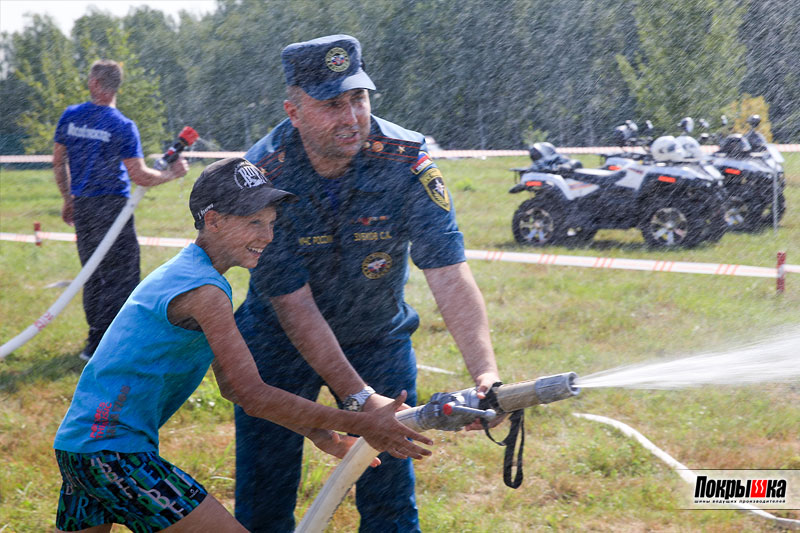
(621, 263)
(75, 285)
(444, 154)
(652, 265)
(39, 236)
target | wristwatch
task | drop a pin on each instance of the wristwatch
(355, 402)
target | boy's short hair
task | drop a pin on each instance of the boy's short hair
(108, 73)
(233, 186)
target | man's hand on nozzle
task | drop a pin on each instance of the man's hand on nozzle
(385, 433)
(176, 169)
(483, 384)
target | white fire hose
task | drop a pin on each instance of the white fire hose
(445, 411)
(451, 411)
(87, 270)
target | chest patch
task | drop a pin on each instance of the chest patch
(376, 265)
(433, 181)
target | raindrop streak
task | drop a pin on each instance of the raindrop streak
(773, 360)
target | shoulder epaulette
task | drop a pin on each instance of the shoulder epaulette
(390, 141)
(399, 150)
(271, 164)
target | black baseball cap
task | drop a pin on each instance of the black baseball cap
(326, 67)
(233, 186)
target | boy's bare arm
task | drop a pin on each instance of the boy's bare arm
(240, 381)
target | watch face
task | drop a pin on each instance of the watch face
(351, 404)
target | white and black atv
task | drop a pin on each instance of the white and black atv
(754, 180)
(672, 203)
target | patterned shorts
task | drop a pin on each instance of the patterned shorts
(139, 490)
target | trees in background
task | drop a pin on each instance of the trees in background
(471, 73)
(52, 73)
(770, 34)
(689, 60)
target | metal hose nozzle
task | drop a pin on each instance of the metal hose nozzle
(543, 390)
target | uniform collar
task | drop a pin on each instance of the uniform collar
(306, 177)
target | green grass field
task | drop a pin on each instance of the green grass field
(579, 475)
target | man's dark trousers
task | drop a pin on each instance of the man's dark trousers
(117, 274)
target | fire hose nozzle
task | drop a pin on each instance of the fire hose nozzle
(451, 411)
(543, 390)
(557, 387)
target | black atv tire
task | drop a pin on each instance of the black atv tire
(539, 221)
(739, 214)
(764, 217)
(673, 225)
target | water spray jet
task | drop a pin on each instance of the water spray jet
(776, 360)
(768, 361)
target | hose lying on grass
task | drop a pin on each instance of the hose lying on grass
(688, 475)
(73, 288)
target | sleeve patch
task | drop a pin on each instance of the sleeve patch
(433, 181)
(423, 162)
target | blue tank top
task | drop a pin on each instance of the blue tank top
(145, 368)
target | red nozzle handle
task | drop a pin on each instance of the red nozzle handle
(188, 135)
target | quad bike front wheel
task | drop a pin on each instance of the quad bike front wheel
(672, 226)
(539, 222)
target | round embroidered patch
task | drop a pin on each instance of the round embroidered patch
(337, 59)
(376, 265)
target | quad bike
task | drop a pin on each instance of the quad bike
(754, 178)
(673, 204)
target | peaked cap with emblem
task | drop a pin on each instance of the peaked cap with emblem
(326, 67)
(233, 186)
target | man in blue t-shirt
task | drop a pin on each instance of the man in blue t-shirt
(369, 198)
(96, 154)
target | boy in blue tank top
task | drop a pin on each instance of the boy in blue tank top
(175, 324)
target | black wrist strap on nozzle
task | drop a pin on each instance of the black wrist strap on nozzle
(517, 429)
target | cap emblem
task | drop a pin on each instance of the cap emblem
(248, 176)
(337, 59)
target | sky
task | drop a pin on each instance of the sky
(65, 12)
